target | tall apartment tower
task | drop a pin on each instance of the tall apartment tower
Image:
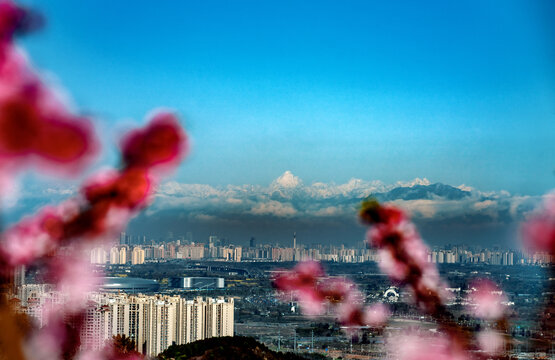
(156, 322)
(294, 240)
(122, 238)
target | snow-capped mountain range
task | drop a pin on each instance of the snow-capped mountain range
(288, 196)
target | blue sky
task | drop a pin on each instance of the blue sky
(457, 92)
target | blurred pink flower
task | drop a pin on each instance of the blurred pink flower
(491, 342)
(58, 339)
(350, 315)
(28, 240)
(373, 213)
(16, 19)
(395, 269)
(36, 129)
(423, 347)
(376, 315)
(353, 315)
(336, 291)
(487, 300)
(538, 232)
(311, 301)
(304, 274)
(403, 254)
(14, 71)
(160, 145)
(73, 275)
(308, 284)
(301, 281)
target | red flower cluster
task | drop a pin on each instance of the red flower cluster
(35, 126)
(423, 346)
(487, 301)
(16, 19)
(106, 203)
(539, 231)
(309, 285)
(403, 255)
(158, 146)
(108, 200)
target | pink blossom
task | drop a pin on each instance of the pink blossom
(34, 131)
(37, 236)
(91, 355)
(27, 240)
(161, 144)
(108, 201)
(129, 189)
(302, 281)
(376, 315)
(58, 339)
(414, 246)
(488, 300)
(14, 71)
(491, 341)
(424, 347)
(403, 254)
(14, 19)
(35, 128)
(311, 301)
(538, 232)
(304, 274)
(392, 267)
(338, 290)
(74, 276)
(350, 314)
(372, 213)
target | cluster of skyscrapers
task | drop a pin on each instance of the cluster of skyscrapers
(153, 322)
(129, 252)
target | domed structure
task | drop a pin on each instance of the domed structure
(129, 285)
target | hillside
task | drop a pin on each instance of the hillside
(229, 348)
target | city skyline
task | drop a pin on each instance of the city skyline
(140, 249)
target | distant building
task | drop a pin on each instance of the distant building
(197, 282)
(99, 256)
(122, 255)
(138, 256)
(129, 285)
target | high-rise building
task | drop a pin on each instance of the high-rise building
(122, 238)
(99, 256)
(138, 256)
(114, 255)
(123, 255)
(156, 322)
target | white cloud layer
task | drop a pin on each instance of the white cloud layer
(288, 196)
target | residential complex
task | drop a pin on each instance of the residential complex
(154, 322)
